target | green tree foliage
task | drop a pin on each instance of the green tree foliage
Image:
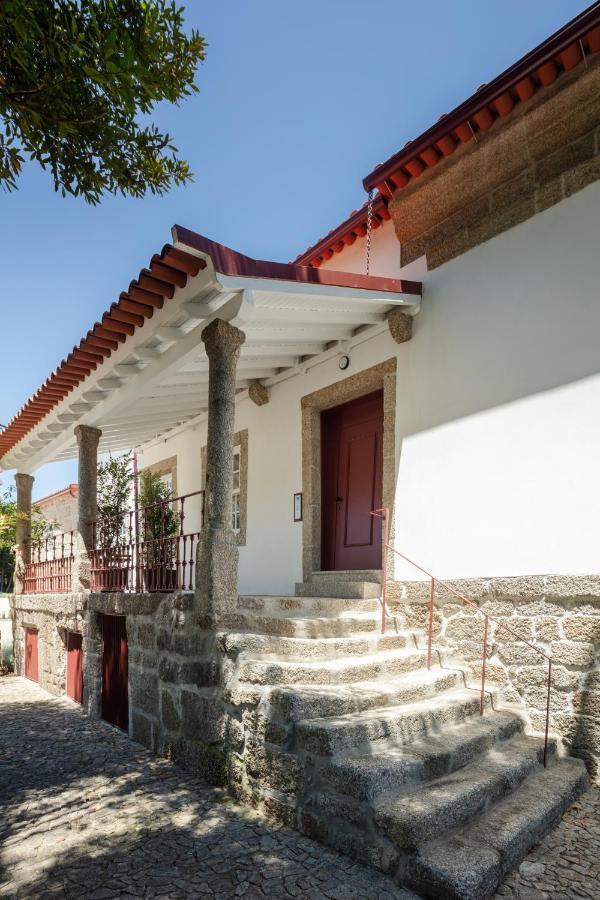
(76, 76)
(8, 521)
(40, 528)
(114, 496)
(158, 518)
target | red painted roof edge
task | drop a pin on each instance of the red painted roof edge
(71, 489)
(560, 40)
(230, 262)
(356, 218)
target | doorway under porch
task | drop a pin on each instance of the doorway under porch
(378, 378)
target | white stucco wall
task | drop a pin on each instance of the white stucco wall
(498, 431)
(384, 257)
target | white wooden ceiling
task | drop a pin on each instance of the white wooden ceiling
(158, 379)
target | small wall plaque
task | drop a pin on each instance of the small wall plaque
(298, 507)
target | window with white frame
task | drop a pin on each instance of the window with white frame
(235, 496)
(239, 489)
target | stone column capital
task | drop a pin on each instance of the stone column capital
(87, 436)
(400, 325)
(258, 393)
(23, 481)
(221, 338)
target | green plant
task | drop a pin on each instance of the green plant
(8, 520)
(41, 528)
(158, 518)
(114, 489)
(76, 77)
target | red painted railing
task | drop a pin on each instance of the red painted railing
(384, 514)
(148, 548)
(50, 565)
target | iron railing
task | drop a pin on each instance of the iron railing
(148, 548)
(384, 514)
(50, 565)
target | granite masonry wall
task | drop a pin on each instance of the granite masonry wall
(52, 615)
(183, 700)
(187, 701)
(543, 153)
(558, 614)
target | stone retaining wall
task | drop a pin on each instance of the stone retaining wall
(180, 705)
(186, 702)
(52, 615)
(559, 614)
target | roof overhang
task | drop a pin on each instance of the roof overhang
(575, 45)
(156, 377)
(566, 49)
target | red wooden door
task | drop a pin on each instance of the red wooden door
(31, 654)
(74, 667)
(351, 469)
(115, 701)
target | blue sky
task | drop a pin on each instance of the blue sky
(298, 102)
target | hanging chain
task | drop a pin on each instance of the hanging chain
(369, 221)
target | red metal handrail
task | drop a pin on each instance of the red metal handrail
(50, 565)
(384, 514)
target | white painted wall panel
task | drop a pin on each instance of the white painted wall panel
(498, 415)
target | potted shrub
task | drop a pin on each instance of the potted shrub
(159, 527)
(114, 538)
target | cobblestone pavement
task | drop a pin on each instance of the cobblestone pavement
(87, 814)
(566, 865)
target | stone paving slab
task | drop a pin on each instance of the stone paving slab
(88, 814)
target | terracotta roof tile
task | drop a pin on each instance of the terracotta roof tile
(149, 291)
(534, 72)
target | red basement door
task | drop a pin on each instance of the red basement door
(74, 667)
(31, 654)
(115, 701)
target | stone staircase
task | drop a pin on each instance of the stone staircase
(356, 585)
(356, 743)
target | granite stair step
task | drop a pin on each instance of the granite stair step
(470, 863)
(339, 588)
(399, 723)
(346, 575)
(318, 701)
(366, 778)
(412, 818)
(313, 605)
(276, 671)
(308, 627)
(323, 648)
